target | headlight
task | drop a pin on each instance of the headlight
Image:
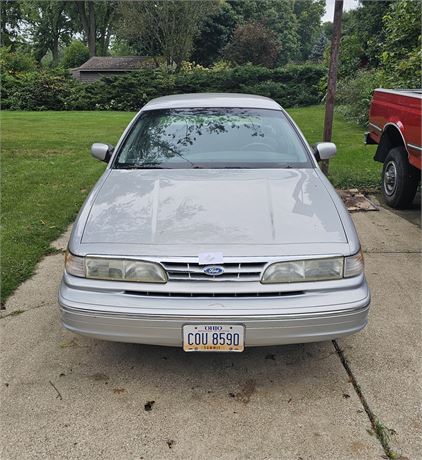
(104, 268)
(353, 265)
(298, 271)
(124, 270)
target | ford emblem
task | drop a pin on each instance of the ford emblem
(213, 270)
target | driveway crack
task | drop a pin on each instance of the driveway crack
(19, 311)
(382, 432)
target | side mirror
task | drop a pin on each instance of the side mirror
(324, 150)
(102, 152)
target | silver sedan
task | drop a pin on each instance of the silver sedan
(213, 228)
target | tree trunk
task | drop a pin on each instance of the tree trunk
(92, 29)
(103, 40)
(55, 51)
(332, 78)
(105, 30)
(88, 23)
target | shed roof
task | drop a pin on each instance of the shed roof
(100, 63)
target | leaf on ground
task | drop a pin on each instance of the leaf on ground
(118, 390)
(68, 344)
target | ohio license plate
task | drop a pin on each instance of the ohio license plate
(213, 337)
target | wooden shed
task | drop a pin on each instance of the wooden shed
(99, 66)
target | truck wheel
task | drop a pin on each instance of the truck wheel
(399, 179)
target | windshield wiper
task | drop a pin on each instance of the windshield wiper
(141, 166)
(153, 166)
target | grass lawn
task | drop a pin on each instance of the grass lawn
(46, 173)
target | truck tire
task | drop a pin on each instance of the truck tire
(399, 179)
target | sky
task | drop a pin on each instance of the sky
(329, 8)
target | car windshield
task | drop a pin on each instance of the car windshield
(212, 138)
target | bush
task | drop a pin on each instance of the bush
(44, 90)
(295, 85)
(354, 94)
(13, 62)
(75, 55)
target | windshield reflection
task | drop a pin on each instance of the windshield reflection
(212, 138)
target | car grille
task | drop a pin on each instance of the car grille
(245, 271)
(225, 295)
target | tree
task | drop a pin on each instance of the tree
(401, 56)
(317, 52)
(75, 54)
(86, 15)
(215, 33)
(106, 18)
(49, 26)
(121, 47)
(166, 27)
(254, 43)
(352, 57)
(10, 18)
(276, 15)
(367, 25)
(362, 37)
(308, 14)
(96, 19)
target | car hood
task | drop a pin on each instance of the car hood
(212, 209)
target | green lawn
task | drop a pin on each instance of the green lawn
(353, 165)
(47, 171)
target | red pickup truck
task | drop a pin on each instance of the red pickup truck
(395, 125)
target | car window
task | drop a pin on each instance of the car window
(212, 138)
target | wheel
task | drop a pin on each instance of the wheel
(399, 179)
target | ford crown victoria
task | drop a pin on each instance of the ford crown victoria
(213, 228)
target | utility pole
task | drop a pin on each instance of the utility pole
(332, 78)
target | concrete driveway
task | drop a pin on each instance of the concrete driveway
(64, 396)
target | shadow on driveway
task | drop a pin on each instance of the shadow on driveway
(412, 215)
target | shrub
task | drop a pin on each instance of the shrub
(75, 55)
(13, 62)
(44, 90)
(354, 94)
(295, 85)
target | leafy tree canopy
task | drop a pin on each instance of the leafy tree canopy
(276, 15)
(401, 56)
(10, 19)
(164, 27)
(253, 43)
(75, 55)
(215, 33)
(49, 26)
(308, 14)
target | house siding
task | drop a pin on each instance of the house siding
(91, 76)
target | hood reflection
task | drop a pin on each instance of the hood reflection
(224, 207)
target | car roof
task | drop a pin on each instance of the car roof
(200, 100)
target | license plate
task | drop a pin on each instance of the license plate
(213, 337)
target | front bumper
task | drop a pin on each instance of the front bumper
(310, 317)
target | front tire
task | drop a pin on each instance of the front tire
(399, 179)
